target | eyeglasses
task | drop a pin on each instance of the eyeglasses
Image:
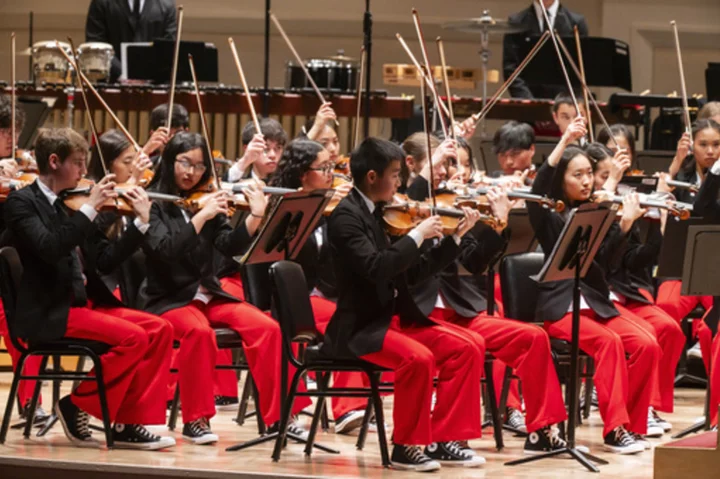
(187, 166)
(325, 169)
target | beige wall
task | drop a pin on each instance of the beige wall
(320, 27)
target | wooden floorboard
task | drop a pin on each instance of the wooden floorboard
(53, 457)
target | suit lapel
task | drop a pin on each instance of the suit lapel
(48, 215)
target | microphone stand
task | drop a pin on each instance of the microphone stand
(266, 67)
(367, 32)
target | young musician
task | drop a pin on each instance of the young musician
(63, 255)
(624, 390)
(416, 158)
(262, 151)
(376, 319)
(563, 111)
(514, 145)
(160, 133)
(182, 286)
(623, 136)
(632, 286)
(711, 111)
(321, 129)
(120, 157)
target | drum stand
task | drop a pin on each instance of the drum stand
(70, 94)
(485, 59)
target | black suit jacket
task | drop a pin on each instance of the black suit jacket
(111, 21)
(633, 272)
(179, 260)
(707, 204)
(372, 278)
(688, 174)
(479, 248)
(45, 241)
(317, 264)
(555, 298)
(565, 22)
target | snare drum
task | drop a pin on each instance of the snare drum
(94, 60)
(327, 74)
(49, 65)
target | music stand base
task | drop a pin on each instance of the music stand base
(273, 436)
(582, 457)
(697, 427)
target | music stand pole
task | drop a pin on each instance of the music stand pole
(367, 33)
(266, 66)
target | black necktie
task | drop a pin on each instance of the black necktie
(136, 9)
(78, 278)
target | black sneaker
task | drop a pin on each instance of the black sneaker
(451, 454)
(665, 425)
(349, 421)
(620, 441)
(642, 440)
(226, 403)
(412, 458)
(76, 423)
(293, 428)
(515, 419)
(198, 432)
(135, 436)
(547, 439)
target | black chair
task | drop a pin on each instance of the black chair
(292, 308)
(10, 275)
(520, 296)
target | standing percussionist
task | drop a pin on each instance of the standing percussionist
(532, 22)
(121, 21)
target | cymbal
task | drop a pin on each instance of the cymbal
(341, 58)
(25, 52)
(484, 24)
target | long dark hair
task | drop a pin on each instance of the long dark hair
(619, 129)
(297, 157)
(557, 190)
(164, 179)
(111, 143)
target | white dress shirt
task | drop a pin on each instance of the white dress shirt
(142, 5)
(552, 13)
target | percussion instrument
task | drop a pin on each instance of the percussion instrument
(328, 74)
(49, 65)
(94, 60)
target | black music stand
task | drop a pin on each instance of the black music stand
(286, 229)
(571, 258)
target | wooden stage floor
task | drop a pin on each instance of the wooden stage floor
(53, 456)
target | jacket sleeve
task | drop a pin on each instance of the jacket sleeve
(111, 254)
(95, 26)
(706, 202)
(433, 260)
(159, 241)
(350, 239)
(640, 255)
(481, 247)
(228, 240)
(49, 244)
(539, 216)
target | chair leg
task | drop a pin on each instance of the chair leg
(589, 386)
(103, 401)
(11, 398)
(492, 401)
(322, 385)
(244, 398)
(33, 402)
(507, 378)
(174, 408)
(379, 419)
(80, 367)
(262, 427)
(285, 417)
(324, 419)
(362, 434)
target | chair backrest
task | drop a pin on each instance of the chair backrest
(11, 271)
(291, 303)
(256, 285)
(519, 291)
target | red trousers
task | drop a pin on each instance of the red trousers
(526, 349)
(671, 339)
(136, 367)
(415, 354)
(714, 380)
(32, 364)
(624, 387)
(677, 306)
(196, 357)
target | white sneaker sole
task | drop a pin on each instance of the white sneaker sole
(227, 407)
(637, 448)
(654, 431)
(348, 425)
(163, 443)
(431, 466)
(474, 461)
(91, 443)
(202, 440)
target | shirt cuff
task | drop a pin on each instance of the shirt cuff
(235, 173)
(715, 168)
(417, 237)
(457, 239)
(140, 225)
(89, 211)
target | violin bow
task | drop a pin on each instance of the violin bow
(686, 106)
(479, 116)
(203, 122)
(423, 50)
(426, 126)
(12, 98)
(446, 82)
(88, 112)
(100, 99)
(173, 77)
(239, 67)
(575, 68)
(299, 60)
(581, 61)
(363, 59)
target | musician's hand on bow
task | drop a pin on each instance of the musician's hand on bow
(500, 203)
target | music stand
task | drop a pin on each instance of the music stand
(286, 229)
(571, 259)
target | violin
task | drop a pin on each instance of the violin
(676, 209)
(544, 201)
(26, 161)
(342, 165)
(693, 188)
(401, 216)
(76, 197)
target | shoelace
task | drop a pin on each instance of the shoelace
(415, 454)
(455, 449)
(199, 427)
(623, 437)
(144, 433)
(554, 438)
(82, 423)
(516, 419)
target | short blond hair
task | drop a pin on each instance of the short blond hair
(60, 141)
(711, 109)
